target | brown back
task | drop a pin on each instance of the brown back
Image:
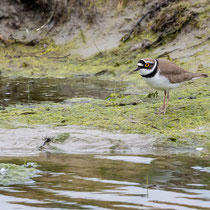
(174, 73)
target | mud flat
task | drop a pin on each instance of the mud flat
(27, 141)
(82, 140)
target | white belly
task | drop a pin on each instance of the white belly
(160, 82)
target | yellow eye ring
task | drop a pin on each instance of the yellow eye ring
(147, 65)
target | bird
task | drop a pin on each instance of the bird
(164, 75)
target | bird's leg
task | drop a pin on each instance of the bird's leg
(163, 108)
(167, 98)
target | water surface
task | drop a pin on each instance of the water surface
(36, 90)
(111, 182)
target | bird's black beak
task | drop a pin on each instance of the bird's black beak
(137, 69)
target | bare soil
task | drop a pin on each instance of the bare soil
(96, 26)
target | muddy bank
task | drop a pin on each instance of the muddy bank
(91, 27)
(82, 140)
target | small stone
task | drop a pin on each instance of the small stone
(145, 44)
(192, 97)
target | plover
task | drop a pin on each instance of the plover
(164, 75)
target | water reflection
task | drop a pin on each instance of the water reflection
(91, 182)
(31, 90)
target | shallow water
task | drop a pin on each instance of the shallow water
(111, 182)
(35, 90)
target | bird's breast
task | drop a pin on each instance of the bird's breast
(160, 82)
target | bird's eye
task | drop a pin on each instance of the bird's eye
(146, 64)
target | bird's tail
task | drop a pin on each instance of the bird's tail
(198, 75)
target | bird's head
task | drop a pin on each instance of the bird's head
(146, 66)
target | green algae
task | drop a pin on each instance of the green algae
(11, 174)
(60, 138)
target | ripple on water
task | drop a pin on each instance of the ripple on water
(110, 182)
(133, 159)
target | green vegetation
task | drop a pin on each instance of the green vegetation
(60, 138)
(11, 174)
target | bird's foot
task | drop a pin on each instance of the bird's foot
(162, 110)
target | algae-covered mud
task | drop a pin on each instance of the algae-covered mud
(63, 60)
(11, 174)
(109, 182)
(186, 122)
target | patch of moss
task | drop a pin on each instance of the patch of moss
(60, 138)
(11, 174)
(117, 145)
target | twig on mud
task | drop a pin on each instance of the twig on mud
(55, 57)
(167, 52)
(37, 56)
(124, 104)
(32, 42)
(97, 48)
(137, 24)
(47, 140)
